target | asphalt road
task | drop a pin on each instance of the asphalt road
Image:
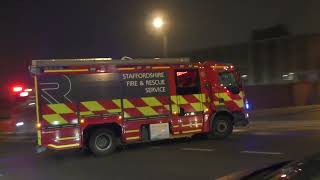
(266, 141)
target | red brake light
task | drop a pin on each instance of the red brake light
(17, 89)
(24, 94)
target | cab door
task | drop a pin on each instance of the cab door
(189, 101)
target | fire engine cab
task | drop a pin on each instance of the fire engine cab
(100, 103)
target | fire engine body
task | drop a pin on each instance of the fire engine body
(101, 103)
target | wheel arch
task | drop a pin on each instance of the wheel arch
(223, 112)
(116, 128)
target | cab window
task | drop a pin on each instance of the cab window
(187, 82)
(227, 79)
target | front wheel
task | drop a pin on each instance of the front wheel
(222, 127)
(102, 142)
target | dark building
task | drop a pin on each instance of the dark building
(270, 61)
(278, 71)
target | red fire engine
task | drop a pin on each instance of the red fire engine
(101, 103)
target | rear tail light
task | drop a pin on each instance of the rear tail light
(17, 89)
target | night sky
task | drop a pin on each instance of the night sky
(75, 28)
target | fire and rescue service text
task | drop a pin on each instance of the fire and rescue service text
(153, 82)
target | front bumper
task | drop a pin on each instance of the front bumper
(240, 118)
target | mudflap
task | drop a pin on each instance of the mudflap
(40, 149)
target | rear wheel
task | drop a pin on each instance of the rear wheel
(102, 142)
(222, 127)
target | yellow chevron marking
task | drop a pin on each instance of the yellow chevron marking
(175, 109)
(127, 104)
(151, 101)
(197, 106)
(241, 94)
(117, 102)
(223, 96)
(85, 113)
(181, 100)
(93, 106)
(126, 115)
(239, 103)
(114, 110)
(54, 119)
(147, 111)
(174, 99)
(217, 103)
(200, 97)
(60, 108)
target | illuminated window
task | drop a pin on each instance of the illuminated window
(187, 82)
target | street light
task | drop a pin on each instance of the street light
(158, 23)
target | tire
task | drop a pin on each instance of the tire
(222, 127)
(102, 142)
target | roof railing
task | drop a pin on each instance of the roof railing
(107, 61)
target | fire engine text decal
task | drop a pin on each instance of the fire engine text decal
(150, 84)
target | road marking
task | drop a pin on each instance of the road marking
(196, 149)
(262, 152)
(155, 147)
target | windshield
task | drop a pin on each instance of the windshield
(228, 79)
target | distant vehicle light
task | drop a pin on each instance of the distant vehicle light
(28, 90)
(20, 124)
(17, 89)
(24, 94)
